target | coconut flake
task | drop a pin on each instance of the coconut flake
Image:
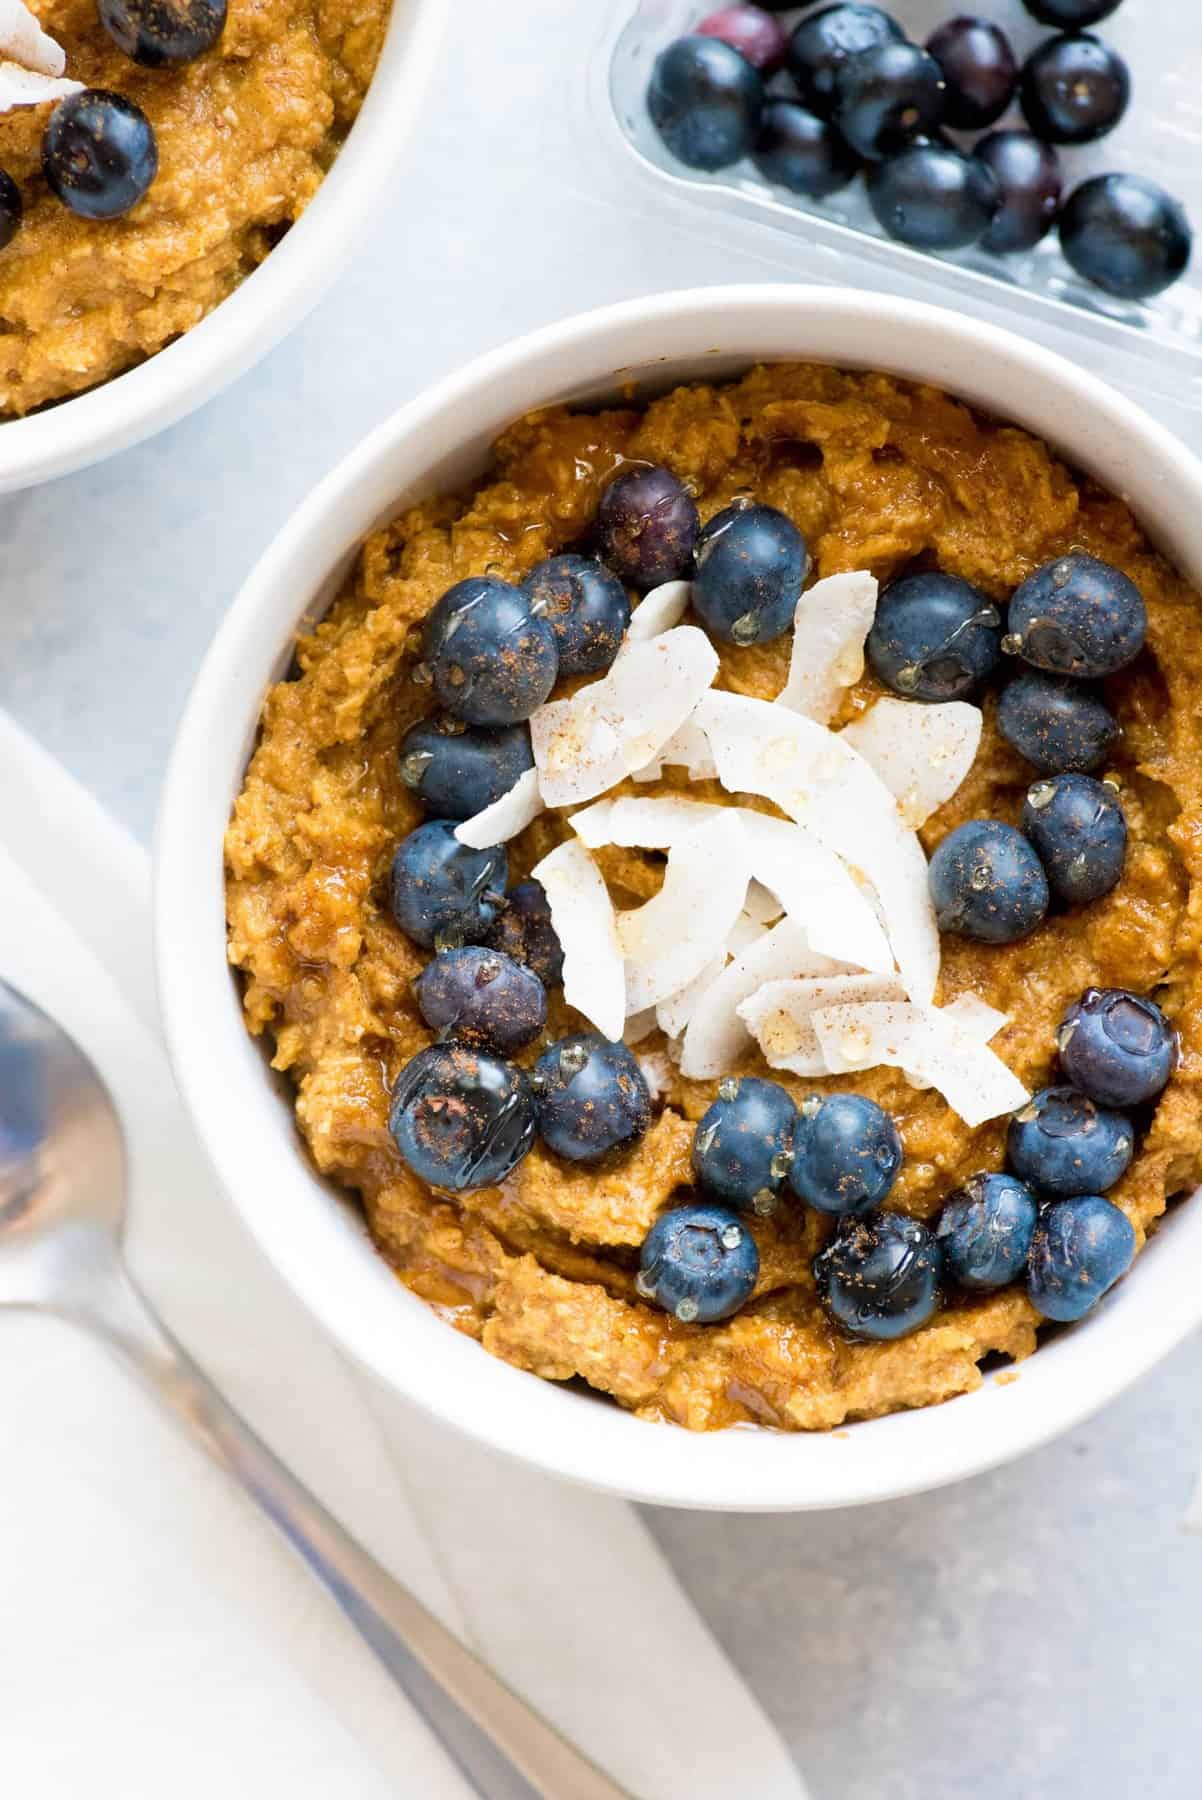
(655, 822)
(592, 824)
(670, 939)
(716, 1036)
(686, 749)
(582, 913)
(825, 785)
(675, 1010)
(503, 820)
(829, 628)
(24, 44)
(780, 1015)
(658, 610)
(20, 86)
(973, 1080)
(587, 744)
(921, 753)
(816, 890)
(971, 1014)
(761, 904)
(639, 1026)
(658, 1073)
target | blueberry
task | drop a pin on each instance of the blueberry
(1027, 174)
(1117, 1047)
(12, 209)
(1126, 235)
(987, 883)
(1056, 724)
(846, 1154)
(1080, 1249)
(491, 660)
(705, 101)
(751, 31)
(1077, 826)
(743, 1144)
(934, 637)
(482, 995)
(586, 607)
(1068, 14)
(825, 40)
(647, 527)
(592, 1097)
(879, 1275)
(802, 152)
(1077, 616)
(887, 97)
(932, 196)
(525, 932)
(979, 68)
(1063, 1143)
(440, 890)
(99, 153)
(159, 32)
(461, 1117)
(751, 563)
(1074, 89)
(984, 1231)
(456, 770)
(698, 1262)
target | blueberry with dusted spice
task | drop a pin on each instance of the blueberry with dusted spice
(799, 150)
(1058, 725)
(934, 637)
(586, 607)
(156, 33)
(1028, 180)
(1070, 15)
(1081, 1247)
(442, 891)
(751, 564)
(888, 97)
(705, 101)
(879, 1276)
(987, 883)
(752, 31)
(1077, 616)
(984, 1231)
(462, 1117)
(1126, 235)
(932, 196)
(1074, 89)
(99, 154)
(647, 527)
(456, 770)
(846, 1154)
(525, 932)
(1062, 1142)
(482, 995)
(698, 1262)
(979, 68)
(1117, 1047)
(491, 660)
(1077, 826)
(825, 40)
(12, 209)
(592, 1097)
(743, 1145)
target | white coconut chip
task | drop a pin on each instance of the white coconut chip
(921, 753)
(655, 822)
(658, 610)
(716, 1036)
(592, 824)
(587, 744)
(780, 1015)
(25, 44)
(747, 929)
(814, 888)
(826, 785)
(761, 904)
(970, 1013)
(829, 628)
(594, 980)
(20, 86)
(674, 1013)
(973, 1080)
(687, 749)
(670, 939)
(658, 1073)
(516, 809)
(639, 1025)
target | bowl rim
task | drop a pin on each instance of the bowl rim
(323, 1255)
(85, 428)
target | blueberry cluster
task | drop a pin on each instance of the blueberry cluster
(845, 90)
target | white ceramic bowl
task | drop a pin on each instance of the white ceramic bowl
(269, 302)
(314, 1238)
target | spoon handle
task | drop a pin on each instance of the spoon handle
(474, 1714)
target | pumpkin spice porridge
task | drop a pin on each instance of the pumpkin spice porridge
(722, 890)
(152, 152)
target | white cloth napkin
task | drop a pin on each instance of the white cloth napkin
(158, 1640)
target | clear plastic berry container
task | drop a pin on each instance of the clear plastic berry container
(1152, 348)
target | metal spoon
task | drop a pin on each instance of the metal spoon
(62, 1212)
